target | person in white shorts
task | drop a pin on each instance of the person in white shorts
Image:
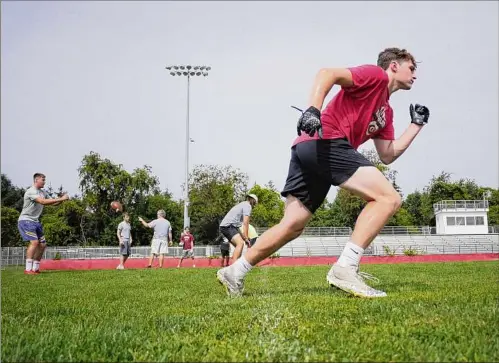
(162, 237)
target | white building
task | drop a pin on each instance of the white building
(461, 216)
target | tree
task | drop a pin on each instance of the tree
(270, 208)
(9, 232)
(346, 208)
(102, 181)
(66, 224)
(214, 190)
(493, 214)
(12, 196)
(418, 207)
(325, 216)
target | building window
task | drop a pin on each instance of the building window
(479, 221)
(459, 221)
(451, 221)
(470, 221)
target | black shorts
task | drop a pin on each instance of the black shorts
(229, 231)
(316, 165)
(225, 253)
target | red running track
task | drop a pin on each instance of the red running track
(109, 264)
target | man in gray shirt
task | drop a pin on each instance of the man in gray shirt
(125, 238)
(162, 236)
(238, 216)
(35, 198)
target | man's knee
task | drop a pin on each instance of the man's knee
(237, 241)
(293, 227)
(393, 200)
(34, 243)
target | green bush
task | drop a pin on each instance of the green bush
(389, 251)
(411, 252)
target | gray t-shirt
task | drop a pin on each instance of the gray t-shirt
(161, 228)
(236, 214)
(124, 229)
(31, 209)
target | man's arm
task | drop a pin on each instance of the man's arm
(310, 120)
(245, 227)
(170, 237)
(390, 150)
(144, 223)
(118, 233)
(56, 201)
(325, 79)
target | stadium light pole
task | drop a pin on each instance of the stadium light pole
(187, 71)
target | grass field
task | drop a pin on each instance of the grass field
(434, 312)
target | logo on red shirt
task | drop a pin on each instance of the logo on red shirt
(378, 122)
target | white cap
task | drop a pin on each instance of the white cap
(254, 197)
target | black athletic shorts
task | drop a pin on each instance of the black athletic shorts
(229, 231)
(316, 165)
(225, 253)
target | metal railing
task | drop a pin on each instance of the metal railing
(17, 255)
(493, 229)
(301, 247)
(318, 231)
(460, 204)
(347, 231)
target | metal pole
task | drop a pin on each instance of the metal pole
(187, 140)
(188, 71)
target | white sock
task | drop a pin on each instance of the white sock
(36, 265)
(351, 255)
(240, 268)
(29, 264)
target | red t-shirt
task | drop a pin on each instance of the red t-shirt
(188, 239)
(360, 112)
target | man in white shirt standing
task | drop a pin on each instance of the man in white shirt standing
(162, 236)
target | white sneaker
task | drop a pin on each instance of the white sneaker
(233, 287)
(120, 267)
(350, 280)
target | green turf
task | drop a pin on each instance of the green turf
(434, 312)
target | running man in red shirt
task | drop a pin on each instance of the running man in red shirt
(325, 154)
(187, 242)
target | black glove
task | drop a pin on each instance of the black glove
(419, 114)
(310, 122)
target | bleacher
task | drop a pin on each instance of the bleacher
(423, 244)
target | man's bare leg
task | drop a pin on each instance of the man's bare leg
(238, 242)
(161, 258)
(296, 217)
(31, 253)
(383, 202)
(151, 258)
